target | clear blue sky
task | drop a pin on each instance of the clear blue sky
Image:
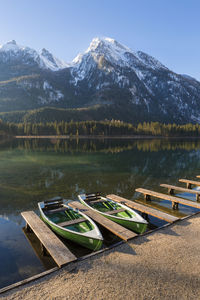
(169, 30)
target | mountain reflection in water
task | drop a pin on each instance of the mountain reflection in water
(34, 170)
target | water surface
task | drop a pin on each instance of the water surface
(34, 170)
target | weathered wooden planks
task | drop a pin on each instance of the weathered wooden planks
(174, 200)
(115, 228)
(144, 209)
(59, 252)
(172, 188)
(189, 182)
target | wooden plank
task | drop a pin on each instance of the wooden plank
(168, 197)
(144, 209)
(27, 280)
(198, 176)
(59, 252)
(190, 182)
(115, 228)
(178, 188)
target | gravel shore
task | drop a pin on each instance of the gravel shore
(164, 264)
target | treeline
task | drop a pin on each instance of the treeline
(99, 128)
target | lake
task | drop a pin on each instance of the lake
(35, 170)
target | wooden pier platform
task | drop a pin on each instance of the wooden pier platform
(172, 188)
(59, 252)
(189, 182)
(115, 228)
(144, 209)
(175, 200)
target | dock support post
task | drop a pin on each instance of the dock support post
(171, 191)
(189, 185)
(197, 197)
(43, 249)
(147, 197)
(174, 205)
(28, 228)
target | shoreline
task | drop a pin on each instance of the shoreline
(102, 137)
(156, 265)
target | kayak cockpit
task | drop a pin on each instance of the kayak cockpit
(107, 206)
(66, 217)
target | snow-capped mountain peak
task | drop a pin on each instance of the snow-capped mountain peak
(10, 46)
(109, 56)
(51, 62)
(108, 47)
(107, 43)
(11, 51)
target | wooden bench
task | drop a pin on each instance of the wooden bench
(172, 188)
(189, 183)
(59, 252)
(71, 222)
(144, 209)
(120, 231)
(175, 200)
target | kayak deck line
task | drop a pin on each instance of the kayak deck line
(175, 200)
(49, 241)
(144, 209)
(115, 228)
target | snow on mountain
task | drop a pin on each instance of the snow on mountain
(51, 62)
(108, 55)
(107, 73)
(45, 60)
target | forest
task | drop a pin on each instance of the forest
(99, 128)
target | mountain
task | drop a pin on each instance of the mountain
(116, 81)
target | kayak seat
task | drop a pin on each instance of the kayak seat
(98, 201)
(115, 211)
(71, 222)
(54, 200)
(93, 196)
(52, 211)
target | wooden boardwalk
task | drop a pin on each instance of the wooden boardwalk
(189, 182)
(172, 188)
(115, 228)
(174, 200)
(59, 252)
(144, 209)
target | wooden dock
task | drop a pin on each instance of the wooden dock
(115, 228)
(144, 209)
(172, 188)
(59, 252)
(175, 200)
(189, 182)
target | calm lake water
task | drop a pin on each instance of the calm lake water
(34, 170)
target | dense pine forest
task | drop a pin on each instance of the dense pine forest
(99, 128)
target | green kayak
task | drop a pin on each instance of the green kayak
(70, 223)
(114, 211)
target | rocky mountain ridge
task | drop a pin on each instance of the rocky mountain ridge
(107, 74)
